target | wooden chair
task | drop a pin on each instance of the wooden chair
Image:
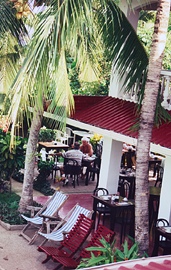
(101, 209)
(73, 240)
(71, 262)
(65, 226)
(71, 168)
(48, 212)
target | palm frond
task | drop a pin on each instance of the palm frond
(9, 22)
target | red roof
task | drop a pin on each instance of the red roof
(116, 115)
(151, 263)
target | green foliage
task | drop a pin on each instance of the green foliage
(108, 253)
(9, 203)
(99, 88)
(41, 183)
(11, 159)
(45, 167)
(47, 135)
(145, 32)
(127, 253)
(99, 255)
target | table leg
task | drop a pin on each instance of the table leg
(94, 211)
(156, 243)
(112, 218)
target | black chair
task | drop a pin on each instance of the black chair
(163, 243)
(94, 171)
(101, 208)
(71, 168)
(126, 187)
(55, 168)
(125, 218)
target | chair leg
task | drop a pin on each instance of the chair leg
(98, 220)
(73, 182)
(104, 218)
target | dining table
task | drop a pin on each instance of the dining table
(58, 146)
(114, 207)
(164, 231)
(88, 162)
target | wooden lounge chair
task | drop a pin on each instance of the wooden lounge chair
(65, 226)
(73, 240)
(69, 261)
(48, 212)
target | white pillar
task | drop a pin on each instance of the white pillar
(165, 196)
(110, 165)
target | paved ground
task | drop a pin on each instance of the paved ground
(15, 253)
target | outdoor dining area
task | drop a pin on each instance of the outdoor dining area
(66, 168)
(105, 210)
(105, 215)
(87, 204)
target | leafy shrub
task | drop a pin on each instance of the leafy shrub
(11, 159)
(46, 135)
(9, 203)
(107, 253)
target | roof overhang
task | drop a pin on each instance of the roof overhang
(114, 118)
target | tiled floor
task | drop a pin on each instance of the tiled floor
(80, 194)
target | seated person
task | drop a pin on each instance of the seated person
(75, 153)
(86, 147)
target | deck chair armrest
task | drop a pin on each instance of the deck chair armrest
(49, 223)
(65, 233)
(33, 209)
(50, 217)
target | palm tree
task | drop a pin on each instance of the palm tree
(147, 122)
(12, 34)
(77, 27)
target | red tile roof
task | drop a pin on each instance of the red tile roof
(151, 263)
(116, 115)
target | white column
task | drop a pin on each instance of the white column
(165, 196)
(110, 165)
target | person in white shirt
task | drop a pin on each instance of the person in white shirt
(75, 153)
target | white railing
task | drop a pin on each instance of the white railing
(165, 90)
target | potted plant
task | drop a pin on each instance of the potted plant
(107, 253)
(46, 135)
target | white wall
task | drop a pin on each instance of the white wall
(110, 166)
(165, 196)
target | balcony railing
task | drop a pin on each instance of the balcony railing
(165, 85)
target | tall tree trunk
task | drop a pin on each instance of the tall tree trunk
(27, 191)
(146, 125)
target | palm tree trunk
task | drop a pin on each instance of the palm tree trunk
(27, 191)
(146, 125)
